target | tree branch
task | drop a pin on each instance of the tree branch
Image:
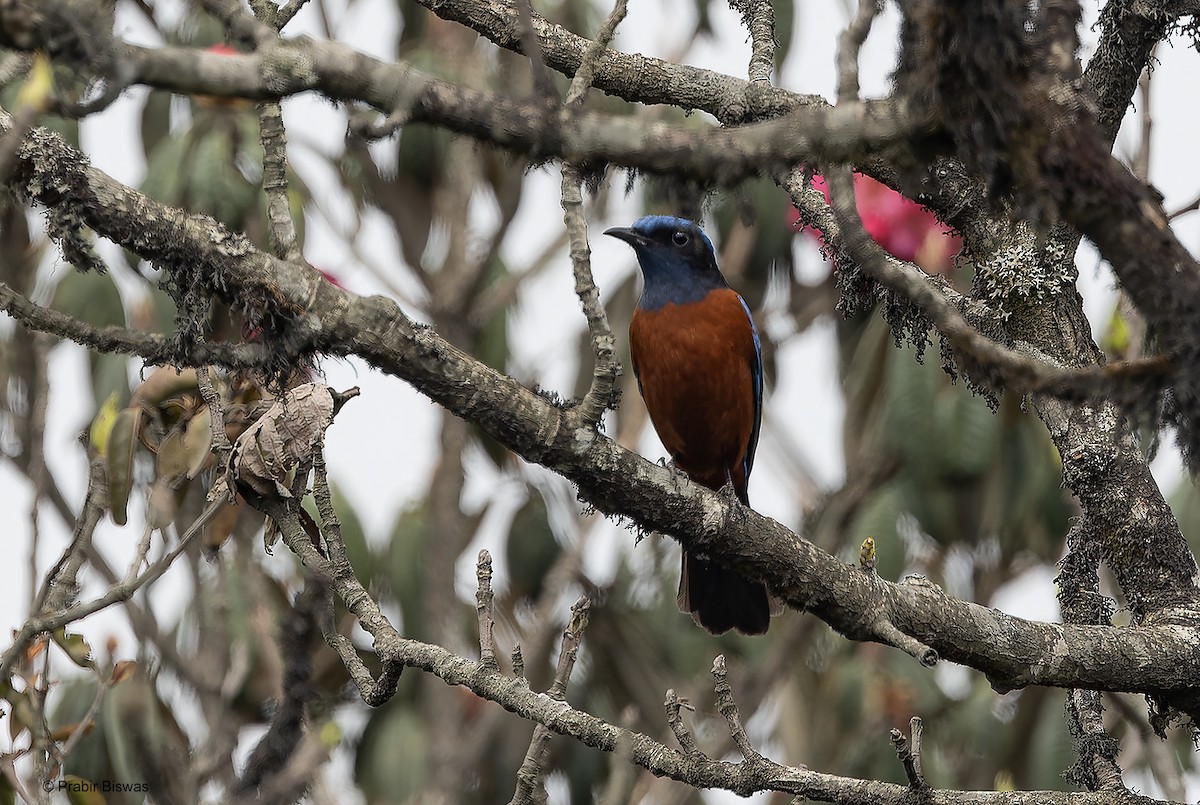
(809, 129)
(1011, 651)
(514, 694)
(156, 350)
(533, 768)
(759, 18)
(989, 362)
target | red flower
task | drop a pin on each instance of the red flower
(901, 226)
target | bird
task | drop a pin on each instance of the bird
(698, 362)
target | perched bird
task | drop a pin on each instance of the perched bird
(698, 363)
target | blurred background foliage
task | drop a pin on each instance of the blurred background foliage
(949, 488)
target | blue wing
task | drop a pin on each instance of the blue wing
(756, 377)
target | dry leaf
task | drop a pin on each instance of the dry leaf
(64, 733)
(122, 671)
(268, 453)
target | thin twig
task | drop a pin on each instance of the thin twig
(591, 56)
(273, 135)
(1191, 206)
(602, 394)
(281, 228)
(849, 45)
(331, 526)
(1140, 164)
(887, 633)
(944, 306)
(543, 84)
(572, 637)
(683, 736)
(41, 746)
(115, 594)
(728, 708)
(156, 350)
(759, 18)
(530, 787)
(60, 585)
(483, 608)
(909, 755)
(335, 568)
(916, 728)
(147, 630)
(288, 11)
(37, 392)
(220, 439)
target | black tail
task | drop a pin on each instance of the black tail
(720, 599)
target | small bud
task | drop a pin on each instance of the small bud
(866, 555)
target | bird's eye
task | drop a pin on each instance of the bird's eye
(680, 239)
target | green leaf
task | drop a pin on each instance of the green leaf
(407, 564)
(37, 93)
(531, 549)
(83, 792)
(89, 759)
(22, 715)
(391, 762)
(90, 296)
(102, 424)
(75, 647)
(8, 794)
(172, 460)
(155, 120)
(118, 460)
(164, 180)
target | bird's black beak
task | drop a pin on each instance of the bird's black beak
(634, 239)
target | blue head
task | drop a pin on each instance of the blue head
(677, 260)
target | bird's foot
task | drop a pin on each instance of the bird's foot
(678, 476)
(731, 497)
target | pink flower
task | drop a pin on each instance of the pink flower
(901, 226)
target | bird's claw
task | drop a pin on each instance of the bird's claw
(730, 494)
(678, 476)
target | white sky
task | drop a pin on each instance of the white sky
(382, 454)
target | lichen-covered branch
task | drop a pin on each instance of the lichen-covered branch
(1011, 651)
(756, 773)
